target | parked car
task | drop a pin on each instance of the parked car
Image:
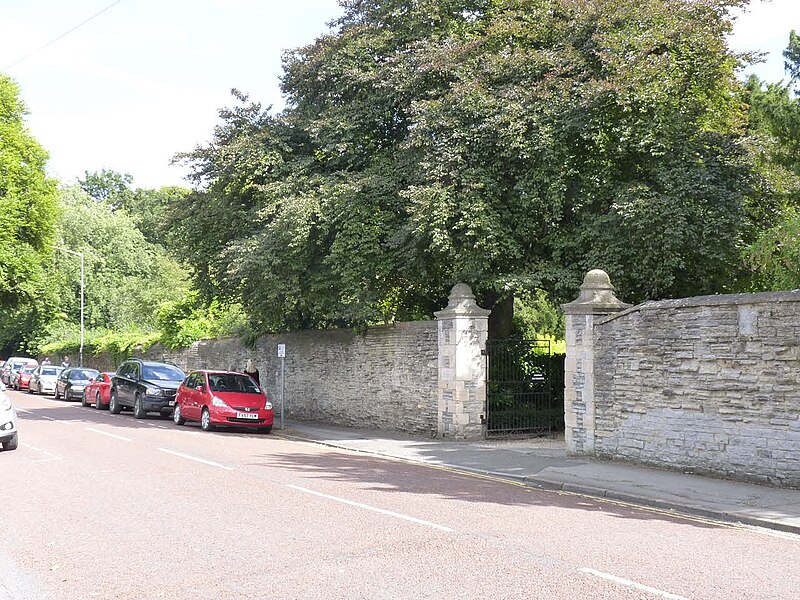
(43, 380)
(14, 375)
(98, 391)
(13, 365)
(71, 381)
(145, 386)
(22, 380)
(9, 438)
(223, 398)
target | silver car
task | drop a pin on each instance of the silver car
(43, 380)
(8, 422)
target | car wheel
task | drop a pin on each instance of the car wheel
(113, 404)
(264, 429)
(56, 395)
(97, 404)
(205, 421)
(138, 409)
(177, 417)
(12, 443)
(84, 399)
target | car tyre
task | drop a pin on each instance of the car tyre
(205, 421)
(138, 409)
(84, 400)
(12, 443)
(97, 404)
(177, 417)
(56, 395)
(113, 403)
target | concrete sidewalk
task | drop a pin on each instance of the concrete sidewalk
(543, 463)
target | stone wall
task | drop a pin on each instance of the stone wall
(425, 377)
(708, 384)
(385, 378)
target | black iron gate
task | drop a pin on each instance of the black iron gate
(524, 388)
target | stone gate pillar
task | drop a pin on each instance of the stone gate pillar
(463, 329)
(596, 300)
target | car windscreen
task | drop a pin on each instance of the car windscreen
(83, 374)
(28, 370)
(232, 382)
(162, 373)
(50, 371)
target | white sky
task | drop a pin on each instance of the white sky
(145, 79)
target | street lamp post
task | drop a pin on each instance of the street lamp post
(82, 288)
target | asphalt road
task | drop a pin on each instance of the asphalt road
(96, 505)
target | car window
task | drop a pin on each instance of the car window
(49, 371)
(232, 382)
(194, 380)
(126, 369)
(83, 374)
(162, 373)
(27, 370)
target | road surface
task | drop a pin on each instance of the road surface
(96, 505)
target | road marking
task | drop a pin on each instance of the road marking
(373, 509)
(111, 435)
(23, 411)
(633, 584)
(197, 459)
(45, 452)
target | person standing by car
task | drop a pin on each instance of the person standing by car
(251, 370)
(65, 362)
(46, 361)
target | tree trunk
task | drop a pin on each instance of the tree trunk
(501, 318)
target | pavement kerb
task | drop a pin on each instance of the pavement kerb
(542, 483)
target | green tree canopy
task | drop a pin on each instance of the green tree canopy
(27, 203)
(510, 144)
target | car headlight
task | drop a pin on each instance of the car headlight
(219, 402)
(268, 405)
(154, 391)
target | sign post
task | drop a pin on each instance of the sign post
(282, 356)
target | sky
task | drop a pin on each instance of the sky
(145, 79)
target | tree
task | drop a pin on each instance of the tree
(792, 56)
(774, 128)
(509, 144)
(27, 203)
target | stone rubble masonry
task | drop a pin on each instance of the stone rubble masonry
(422, 377)
(708, 385)
(463, 328)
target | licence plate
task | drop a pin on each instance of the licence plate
(246, 415)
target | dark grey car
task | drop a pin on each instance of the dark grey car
(145, 386)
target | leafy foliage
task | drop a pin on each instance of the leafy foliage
(27, 204)
(773, 258)
(509, 144)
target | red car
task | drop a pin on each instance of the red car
(23, 380)
(98, 391)
(223, 398)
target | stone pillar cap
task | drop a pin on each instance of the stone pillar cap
(597, 296)
(462, 302)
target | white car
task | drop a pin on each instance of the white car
(43, 380)
(8, 422)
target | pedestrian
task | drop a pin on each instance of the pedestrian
(46, 361)
(251, 370)
(65, 362)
